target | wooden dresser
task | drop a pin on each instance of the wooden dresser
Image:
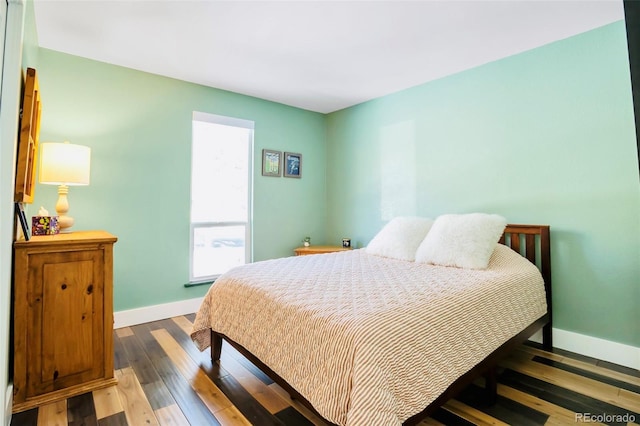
(303, 251)
(62, 316)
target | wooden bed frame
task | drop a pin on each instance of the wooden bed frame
(532, 242)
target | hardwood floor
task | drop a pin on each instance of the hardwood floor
(164, 380)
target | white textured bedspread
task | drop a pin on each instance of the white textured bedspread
(371, 340)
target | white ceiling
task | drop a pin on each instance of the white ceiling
(317, 55)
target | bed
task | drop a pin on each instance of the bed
(363, 339)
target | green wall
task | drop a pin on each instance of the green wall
(30, 47)
(546, 136)
(138, 126)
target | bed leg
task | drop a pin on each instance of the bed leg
(491, 385)
(216, 346)
(547, 338)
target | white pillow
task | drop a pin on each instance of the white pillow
(462, 240)
(400, 237)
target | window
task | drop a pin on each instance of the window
(221, 165)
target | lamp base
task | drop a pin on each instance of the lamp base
(64, 223)
(62, 207)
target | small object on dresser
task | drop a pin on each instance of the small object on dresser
(44, 225)
(306, 241)
(24, 226)
(346, 242)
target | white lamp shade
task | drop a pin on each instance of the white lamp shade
(64, 164)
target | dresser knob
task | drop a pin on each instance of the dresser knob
(90, 289)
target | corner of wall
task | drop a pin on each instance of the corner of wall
(9, 125)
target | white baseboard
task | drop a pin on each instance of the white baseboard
(606, 350)
(8, 404)
(155, 312)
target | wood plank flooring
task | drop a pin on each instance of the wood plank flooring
(164, 380)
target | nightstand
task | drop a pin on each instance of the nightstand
(63, 317)
(303, 251)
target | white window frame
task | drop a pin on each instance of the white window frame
(236, 122)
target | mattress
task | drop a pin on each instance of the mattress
(367, 339)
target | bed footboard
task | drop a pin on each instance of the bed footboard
(216, 346)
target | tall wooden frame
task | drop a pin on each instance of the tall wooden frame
(28, 141)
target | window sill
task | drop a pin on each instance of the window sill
(199, 283)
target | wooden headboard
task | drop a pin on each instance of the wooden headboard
(532, 242)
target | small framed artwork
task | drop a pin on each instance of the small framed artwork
(271, 161)
(292, 165)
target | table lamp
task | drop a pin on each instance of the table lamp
(64, 164)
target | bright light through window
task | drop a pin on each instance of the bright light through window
(220, 195)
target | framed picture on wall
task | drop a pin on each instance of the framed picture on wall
(292, 165)
(28, 140)
(271, 162)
